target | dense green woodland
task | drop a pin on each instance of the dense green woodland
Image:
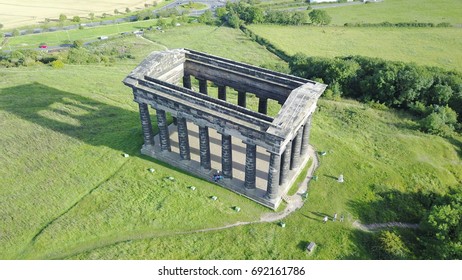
(433, 94)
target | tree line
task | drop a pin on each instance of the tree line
(240, 13)
(431, 93)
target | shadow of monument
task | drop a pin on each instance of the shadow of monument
(90, 121)
(82, 118)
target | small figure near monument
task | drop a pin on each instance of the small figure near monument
(217, 177)
(340, 178)
(335, 217)
(325, 219)
(342, 218)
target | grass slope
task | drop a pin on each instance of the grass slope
(427, 46)
(396, 11)
(66, 191)
(65, 185)
(376, 151)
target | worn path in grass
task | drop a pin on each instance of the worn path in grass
(374, 227)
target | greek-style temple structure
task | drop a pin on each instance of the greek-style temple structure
(258, 156)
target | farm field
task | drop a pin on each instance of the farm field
(396, 11)
(424, 46)
(14, 14)
(71, 195)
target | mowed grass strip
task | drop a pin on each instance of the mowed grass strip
(425, 46)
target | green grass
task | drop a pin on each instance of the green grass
(86, 34)
(425, 46)
(65, 185)
(67, 192)
(293, 190)
(396, 11)
(193, 6)
(375, 150)
(221, 41)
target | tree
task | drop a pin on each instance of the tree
(442, 228)
(392, 246)
(319, 17)
(16, 33)
(76, 19)
(1, 26)
(206, 17)
(257, 15)
(116, 11)
(77, 44)
(127, 10)
(234, 20)
(162, 22)
(62, 17)
(440, 122)
(221, 12)
(91, 16)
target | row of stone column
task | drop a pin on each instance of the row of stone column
(279, 166)
(295, 151)
(183, 139)
(241, 95)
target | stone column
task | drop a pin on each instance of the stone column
(306, 137)
(285, 166)
(187, 81)
(297, 144)
(250, 166)
(263, 105)
(186, 84)
(163, 131)
(146, 125)
(204, 146)
(222, 92)
(226, 156)
(272, 188)
(183, 141)
(241, 99)
(202, 86)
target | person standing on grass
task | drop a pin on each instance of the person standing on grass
(335, 217)
(325, 219)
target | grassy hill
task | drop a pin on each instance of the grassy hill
(67, 192)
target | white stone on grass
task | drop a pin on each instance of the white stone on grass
(125, 155)
(340, 178)
(192, 188)
(213, 197)
(282, 224)
(237, 209)
(151, 170)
